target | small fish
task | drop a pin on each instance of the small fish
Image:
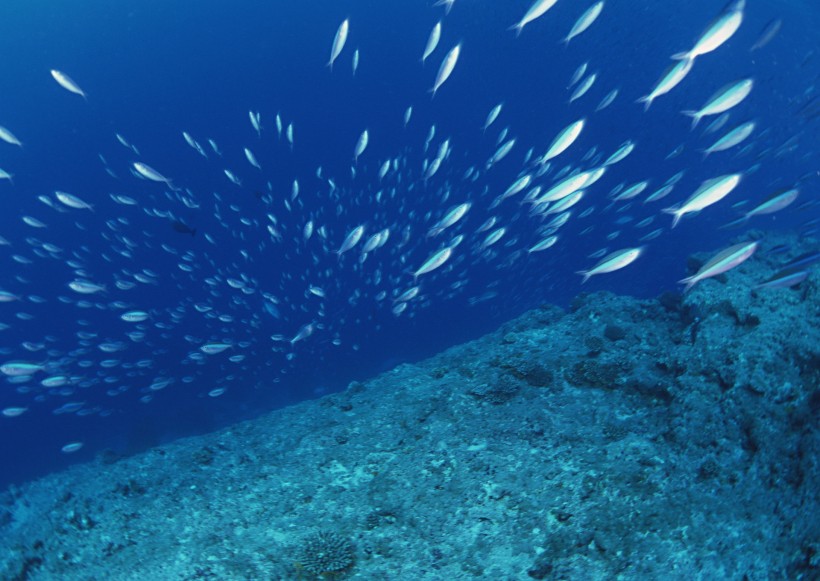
(72, 201)
(538, 8)
(584, 21)
(732, 138)
(607, 100)
(20, 368)
(252, 158)
(583, 87)
(432, 41)
(670, 79)
(150, 173)
(134, 316)
(612, 262)
(9, 137)
(86, 287)
(361, 145)
(66, 83)
(721, 262)
(726, 98)
(576, 76)
(718, 32)
(351, 240)
(786, 278)
(446, 68)
(709, 192)
(355, 62)
(256, 122)
(435, 261)
(214, 348)
(338, 42)
(492, 116)
(547, 242)
(563, 140)
(767, 34)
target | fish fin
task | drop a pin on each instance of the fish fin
(517, 27)
(647, 102)
(585, 274)
(689, 281)
(676, 215)
(681, 56)
(695, 117)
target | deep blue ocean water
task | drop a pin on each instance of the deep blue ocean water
(154, 69)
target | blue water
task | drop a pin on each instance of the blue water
(154, 69)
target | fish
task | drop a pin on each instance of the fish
(710, 192)
(432, 41)
(583, 87)
(450, 218)
(20, 368)
(361, 145)
(338, 42)
(612, 262)
(351, 239)
(538, 9)
(492, 116)
(256, 122)
(543, 244)
(151, 174)
(515, 188)
(72, 201)
(620, 154)
(354, 64)
(446, 68)
(774, 203)
(732, 138)
(493, 237)
(718, 32)
(568, 186)
(436, 260)
(9, 137)
(786, 278)
(501, 152)
(726, 98)
(563, 140)
(252, 158)
(721, 262)
(584, 21)
(86, 287)
(767, 34)
(579, 72)
(670, 79)
(214, 348)
(607, 100)
(66, 83)
(134, 316)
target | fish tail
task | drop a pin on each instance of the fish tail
(681, 56)
(517, 28)
(695, 117)
(675, 215)
(585, 274)
(689, 281)
(647, 102)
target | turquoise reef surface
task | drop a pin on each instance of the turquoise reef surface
(674, 438)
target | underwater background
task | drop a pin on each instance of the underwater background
(153, 69)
